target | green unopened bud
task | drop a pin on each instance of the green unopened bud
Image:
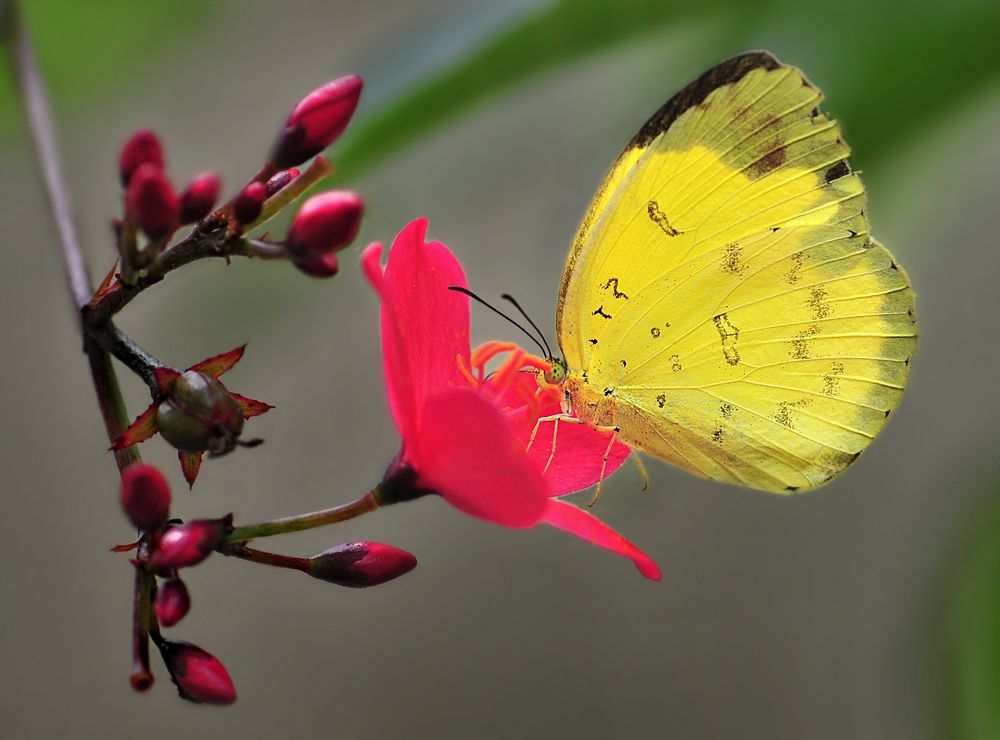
(200, 414)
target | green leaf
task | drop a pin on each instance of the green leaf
(83, 46)
(885, 78)
(975, 621)
(560, 33)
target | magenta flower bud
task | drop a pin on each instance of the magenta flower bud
(172, 602)
(361, 564)
(280, 180)
(199, 676)
(185, 545)
(321, 266)
(199, 197)
(152, 201)
(316, 122)
(249, 202)
(327, 222)
(143, 147)
(145, 496)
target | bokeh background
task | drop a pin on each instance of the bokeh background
(868, 610)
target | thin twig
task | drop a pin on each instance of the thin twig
(268, 558)
(39, 122)
(39, 116)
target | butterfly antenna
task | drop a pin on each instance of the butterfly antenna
(498, 312)
(510, 298)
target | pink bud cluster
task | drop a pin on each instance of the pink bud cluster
(192, 409)
(145, 498)
(326, 224)
(150, 199)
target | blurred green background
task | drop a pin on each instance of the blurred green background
(868, 610)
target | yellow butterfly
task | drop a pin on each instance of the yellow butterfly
(724, 306)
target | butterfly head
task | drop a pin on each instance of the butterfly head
(556, 374)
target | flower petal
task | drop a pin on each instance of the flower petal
(401, 402)
(579, 449)
(468, 455)
(576, 521)
(425, 325)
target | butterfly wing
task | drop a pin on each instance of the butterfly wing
(724, 291)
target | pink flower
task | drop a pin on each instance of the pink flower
(464, 431)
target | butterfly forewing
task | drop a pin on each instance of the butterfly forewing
(724, 291)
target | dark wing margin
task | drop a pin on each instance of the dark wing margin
(723, 73)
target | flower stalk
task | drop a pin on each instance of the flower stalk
(368, 502)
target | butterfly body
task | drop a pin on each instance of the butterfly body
(724, 306)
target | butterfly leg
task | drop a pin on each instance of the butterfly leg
(642, 470)
(538, 423)
(555, 419)
(604, 463)
(552, 450)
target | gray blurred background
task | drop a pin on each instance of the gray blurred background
(825, 616)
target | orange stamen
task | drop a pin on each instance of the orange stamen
(465, 371)
(506, 372)
(486, 352)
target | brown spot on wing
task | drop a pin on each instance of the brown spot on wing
(732, 257)
(729, 334)
(768, 163)
(792, 276)
(659, 218)
(800, 344)
(612, 283)
(818, 302)
(831, 381)
(837, 171)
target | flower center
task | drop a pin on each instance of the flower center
(506, 382)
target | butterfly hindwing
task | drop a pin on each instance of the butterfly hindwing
(724, 291)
